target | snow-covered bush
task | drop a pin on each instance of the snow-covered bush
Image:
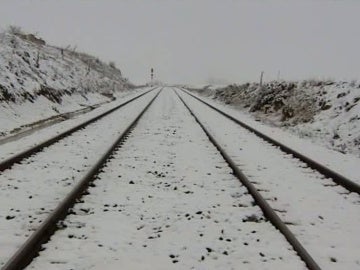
(324, 110)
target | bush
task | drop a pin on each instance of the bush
(16, 30)
(112, 64)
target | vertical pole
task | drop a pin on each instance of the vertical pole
(261, 78)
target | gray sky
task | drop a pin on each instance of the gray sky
(194, 41)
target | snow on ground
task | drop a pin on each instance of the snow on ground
(167, 200)
(324, 216)
(38, 81)
(29, 191)
(22, 118)
(324, 112)
(15, 146)
(345, 164)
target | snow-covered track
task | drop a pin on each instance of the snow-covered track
(313, 207)
(9, 162)
(265, 207)
(31, 247)
(167, 200)
(337, 178)
(170, 199)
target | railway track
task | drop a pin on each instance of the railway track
(350, 185)
(171, 196)
(10, 161)
(310, 204)
(265, 207)
(153, 198)
(36, 185)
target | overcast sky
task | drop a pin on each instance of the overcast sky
(196, 41)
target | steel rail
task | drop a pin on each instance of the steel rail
(29, 250)
(260, 201)
(336, 177)
(9, 162)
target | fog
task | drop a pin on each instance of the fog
(199, 42)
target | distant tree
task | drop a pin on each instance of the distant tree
(353, 83)
(16, 30)
(112, 64)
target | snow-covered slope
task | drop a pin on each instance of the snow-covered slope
(326, 112)
(38, 81)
